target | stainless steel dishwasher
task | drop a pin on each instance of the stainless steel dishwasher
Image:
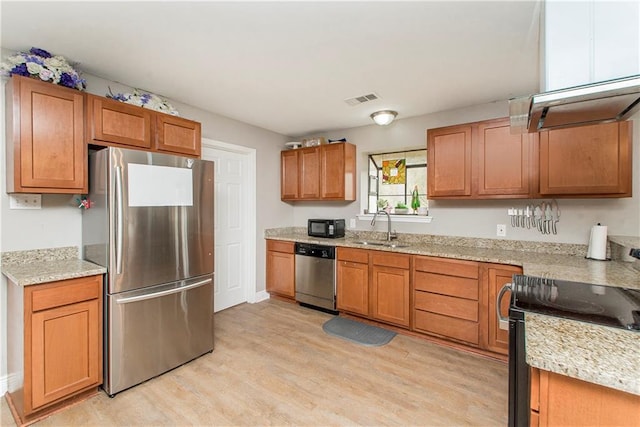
(316, 276)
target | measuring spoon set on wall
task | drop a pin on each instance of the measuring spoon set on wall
(544, 217)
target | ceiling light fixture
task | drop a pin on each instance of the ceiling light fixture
(384, 117)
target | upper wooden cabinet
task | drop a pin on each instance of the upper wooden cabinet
(502, 161)
(484, 160)
(110, 122)
(177, 135)
(449, 162)
(326, 172)
(46, 152)
(479, 161)
(586, 161)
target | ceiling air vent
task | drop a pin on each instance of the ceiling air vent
(361, 99)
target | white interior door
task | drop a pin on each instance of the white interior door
(234, 222)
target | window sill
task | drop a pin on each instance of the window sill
(399, 218)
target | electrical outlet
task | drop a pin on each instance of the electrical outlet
(352, 223)
(501, 230)
(25, 201)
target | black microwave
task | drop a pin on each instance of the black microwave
(325, 228)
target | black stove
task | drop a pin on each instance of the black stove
(602, 305)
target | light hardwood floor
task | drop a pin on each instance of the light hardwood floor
(273, 365)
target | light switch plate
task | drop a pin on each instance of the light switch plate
(501, 230)
(25, 201)
(352, 223)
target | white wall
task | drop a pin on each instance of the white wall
(476, 218)
(59, 222)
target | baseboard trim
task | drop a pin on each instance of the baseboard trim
(259, 296)
(4, 384)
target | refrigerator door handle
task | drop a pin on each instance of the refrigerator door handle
(162, 293)
(119, 220)
(503, 322)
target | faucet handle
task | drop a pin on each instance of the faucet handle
(393, 235)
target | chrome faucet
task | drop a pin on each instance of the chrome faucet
(390, 235)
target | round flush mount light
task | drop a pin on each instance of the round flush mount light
(384, 117)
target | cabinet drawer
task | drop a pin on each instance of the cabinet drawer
(462, 330)
(447, 266)
(449, 306)
(280, 246)
(387, 259)
(353, 255)
(446, 285)
(57, 294)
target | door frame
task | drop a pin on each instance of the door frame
(249, 215)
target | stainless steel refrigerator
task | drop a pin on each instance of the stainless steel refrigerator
(151, 225)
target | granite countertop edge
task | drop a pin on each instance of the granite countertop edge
(584, 351)
(39, 272)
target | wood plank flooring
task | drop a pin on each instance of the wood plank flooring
(273, 365)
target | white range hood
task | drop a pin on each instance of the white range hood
(600, 102)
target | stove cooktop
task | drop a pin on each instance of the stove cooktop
(603, 305)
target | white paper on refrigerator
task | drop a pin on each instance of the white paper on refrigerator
(151, 185)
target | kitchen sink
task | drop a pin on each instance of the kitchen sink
(385, 244)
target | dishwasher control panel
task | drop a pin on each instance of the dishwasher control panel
(314, 250)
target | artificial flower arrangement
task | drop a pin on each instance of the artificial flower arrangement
(40, 64)
(146, 100)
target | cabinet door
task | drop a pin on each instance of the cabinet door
(338, 172)
(352, 287)
(177, 135)
(65, 351)
(449, 162)
(390, 294)
(502, 161)
(566, 401)
(309, 173)
(49, 147)
(586, 160)
(289, 175)
(281, 272)
(497, 333)
(111, 121)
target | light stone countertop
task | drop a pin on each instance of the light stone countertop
(557, 265)
(599, 354)
(38, 266)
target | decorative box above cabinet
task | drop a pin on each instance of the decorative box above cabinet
(327, 172)
(45, 145)
(111, 122)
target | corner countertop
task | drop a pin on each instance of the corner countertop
(599, 354)
(38, 266)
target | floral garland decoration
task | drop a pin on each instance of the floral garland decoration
(146, 100)
(38, 63)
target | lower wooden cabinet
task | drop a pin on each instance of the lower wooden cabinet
(374, 284)
(559, 400)
(58, 327)
(281, 272)
(352, 277)
(446, 298)
(495, 333)
(390, 288)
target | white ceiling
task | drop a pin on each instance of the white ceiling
(289, 66)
